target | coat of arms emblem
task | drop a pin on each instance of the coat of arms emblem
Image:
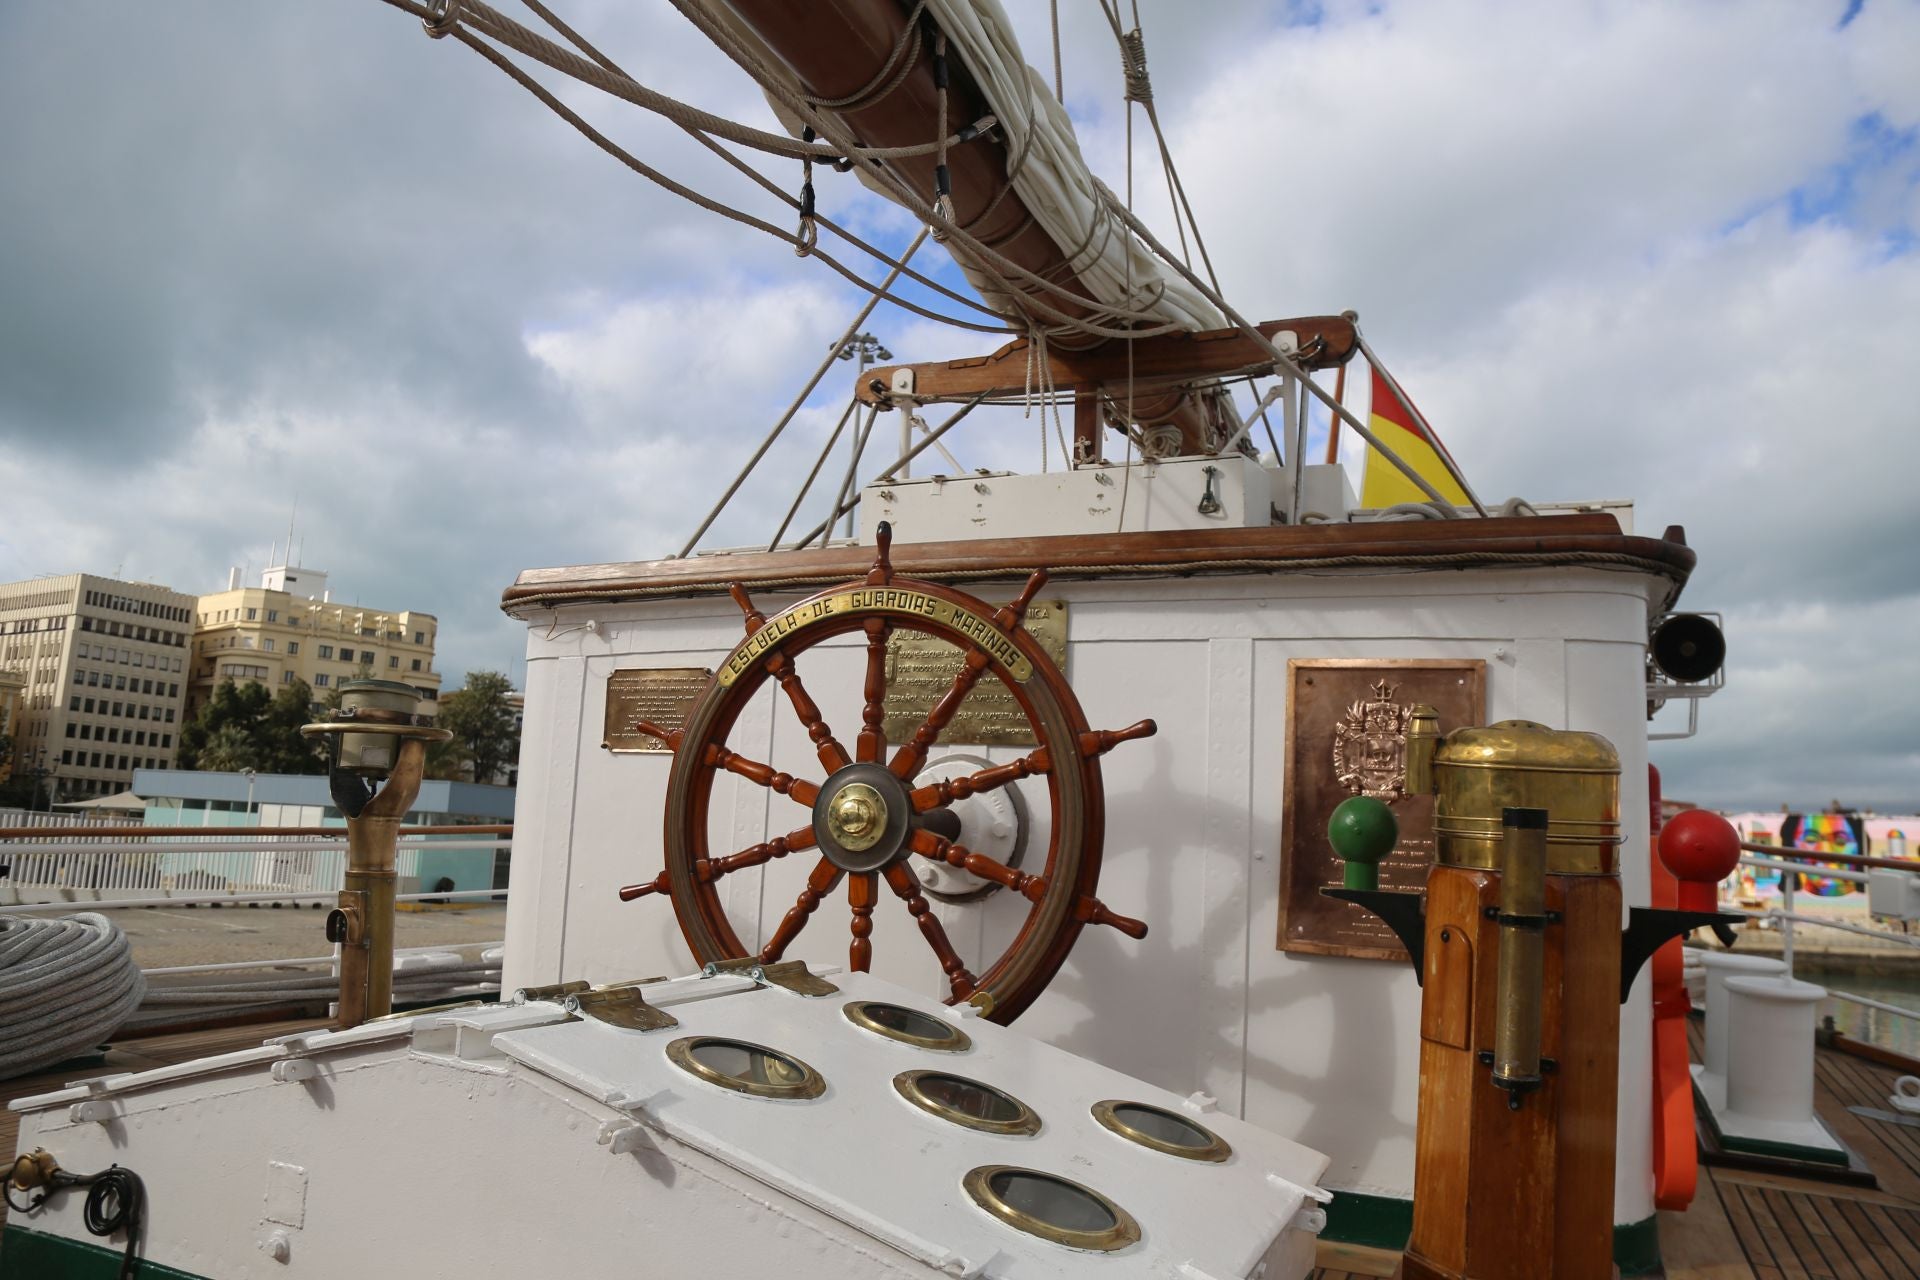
(1370, 745)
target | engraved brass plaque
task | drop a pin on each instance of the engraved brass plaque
(1346, 725)
(662, 695)
(897, 600)
(921, 668)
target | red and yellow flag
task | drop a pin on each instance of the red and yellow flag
(1382, 484)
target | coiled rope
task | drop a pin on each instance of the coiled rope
(65, 985)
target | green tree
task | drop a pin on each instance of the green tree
(245, 726)
(481, 719)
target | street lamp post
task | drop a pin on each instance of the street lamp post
(865, 348)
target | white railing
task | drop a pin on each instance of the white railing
(1786, 919)
(177, 866)
(48, 818)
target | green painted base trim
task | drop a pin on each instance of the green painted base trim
(1636, 1247)
(1385, 1222)
(1378, 1222)
(44, 1257)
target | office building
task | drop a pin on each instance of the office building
(290, 628)
(103, 671)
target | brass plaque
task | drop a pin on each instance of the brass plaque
(900, 600)
(662, 695)
(921, 668)
(1346, 726)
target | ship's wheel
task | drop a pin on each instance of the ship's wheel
(871, 816)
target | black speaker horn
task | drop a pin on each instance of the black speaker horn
(1688, 647)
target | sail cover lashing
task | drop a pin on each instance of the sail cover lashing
(1027, 222)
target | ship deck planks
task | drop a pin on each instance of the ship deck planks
(1744, 1225)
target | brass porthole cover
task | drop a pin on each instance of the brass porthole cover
(1051, 1207)
(1159, 1129)
(967, 1103)
(908, 1026)
(744, 1067)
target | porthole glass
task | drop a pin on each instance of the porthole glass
(1051, 1208)
(1161, 1130)
(908, 1026)
(746, 1068)
(967, 1102)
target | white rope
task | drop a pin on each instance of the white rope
(66, 985)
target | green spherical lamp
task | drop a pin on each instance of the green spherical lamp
(1362, 831)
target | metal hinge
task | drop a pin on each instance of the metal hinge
(789, 975)
(553, 991)
(621, 1007)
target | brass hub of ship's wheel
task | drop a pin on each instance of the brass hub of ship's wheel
(862, 818)
(869, 821)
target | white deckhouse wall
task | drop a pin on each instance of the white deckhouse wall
(1322, 1050)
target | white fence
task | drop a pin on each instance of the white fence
(41, 818)
(208, 867)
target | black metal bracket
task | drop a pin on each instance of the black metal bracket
(1404, 913)
(1650, 928)
(350, 792)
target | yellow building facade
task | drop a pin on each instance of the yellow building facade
(290, 628)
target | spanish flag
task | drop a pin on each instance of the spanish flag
(1382, 484)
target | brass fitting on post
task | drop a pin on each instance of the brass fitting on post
(374, 737)
(1520, 982)
(1423, 740)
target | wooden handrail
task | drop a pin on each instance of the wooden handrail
(64, 834)
(1783, 853)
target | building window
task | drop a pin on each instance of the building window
(93, 679)
(346, 655)
(416, 664)
(113, 735)
(253, 615)
(419, 637)
(169, 715)
(326, 651)
(146, 686)
(73, 703)
(140, 739)
(66, 757)
(267, 644)
(173, 690)
(95, 762)
(293, 646)
(115, 711)
(119, 682)
(393, 662)
(273, 615)
(88, 706)
(69, 729)
(286, 677)
(166, 740)
(320, 681)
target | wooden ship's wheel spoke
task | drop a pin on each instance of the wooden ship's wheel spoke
(903, 882)
(869, 820)
(819, 885)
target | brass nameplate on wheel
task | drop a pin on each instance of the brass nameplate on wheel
(920, 670)
(1346, 736)
(662, 695)
(905, 601)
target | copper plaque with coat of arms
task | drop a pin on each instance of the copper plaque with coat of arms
(1346, 736)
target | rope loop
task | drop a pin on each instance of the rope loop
(1133, 65)
(441, 18)
(808, 236)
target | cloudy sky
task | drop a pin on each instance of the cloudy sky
(263, 255)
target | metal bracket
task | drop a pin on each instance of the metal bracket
(621, 1007)
(553, 991)
(1650, 928)
(1404, 913)
(789, 975)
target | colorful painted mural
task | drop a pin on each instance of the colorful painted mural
(1841, 831)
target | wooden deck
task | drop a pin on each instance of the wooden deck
(1743, 1225)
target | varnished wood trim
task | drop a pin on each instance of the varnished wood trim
(1527, 541)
